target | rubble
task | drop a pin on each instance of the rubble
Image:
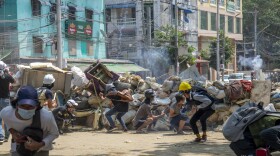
(85, 86)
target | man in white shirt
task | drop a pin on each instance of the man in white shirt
(20, 115)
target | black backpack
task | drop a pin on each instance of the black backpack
(34, 131)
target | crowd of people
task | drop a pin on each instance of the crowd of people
(34, 120)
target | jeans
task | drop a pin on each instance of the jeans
(119, 117)
(201, 115)
(4, 102)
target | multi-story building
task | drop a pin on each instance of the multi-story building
(28, 29)
(131, 25)
(230, 23)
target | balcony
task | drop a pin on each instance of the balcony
(126, 21)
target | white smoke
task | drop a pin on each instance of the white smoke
(252, 62)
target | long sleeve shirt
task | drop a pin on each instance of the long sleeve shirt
(48, 125)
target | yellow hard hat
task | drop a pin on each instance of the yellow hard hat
(185, 86)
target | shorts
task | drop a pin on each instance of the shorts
(176, 120)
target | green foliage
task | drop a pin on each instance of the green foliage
(204, 54)
(268, 26)
(226, 47)
(165, 36)
(189, 58)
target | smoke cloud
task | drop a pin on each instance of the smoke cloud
(252, 62)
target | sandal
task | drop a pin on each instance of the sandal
(204, 138)
(197, 140)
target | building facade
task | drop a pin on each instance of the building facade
(28, 29)
(130, 25)
(230, 23)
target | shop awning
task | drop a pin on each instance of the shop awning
(124, 68)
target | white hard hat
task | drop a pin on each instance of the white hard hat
(2, 65)
(71, 103)
(48, 79)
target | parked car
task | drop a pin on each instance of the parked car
(247, 77)
(226, 80)
(236, 76)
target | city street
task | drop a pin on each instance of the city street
(158, 143)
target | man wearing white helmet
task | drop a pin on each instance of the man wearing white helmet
(45, 94)
(5, 80)
(63, 113)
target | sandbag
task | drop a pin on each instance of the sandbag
(213, 118)
(219, 84)
(143, 87)
(233, 108)
(277, 105)
(121, 85)
(221, 107)
(94, 100)
(162, 124)
(223, 114)
(155, 86)
(234, 91)
(161, 94)
(158, 101)
(167, 85)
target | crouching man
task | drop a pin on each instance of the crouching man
(63, 114)
(178, 120)
(144, 115)
(33, 129)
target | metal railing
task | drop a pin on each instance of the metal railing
(126, 21)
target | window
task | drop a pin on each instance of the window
(203, 20)
(237, 4)
(108, 15)
(89, 15)
(222, 22)
(126, 13)
(213, 21)
(36, 7)
(37, 45)
(90, 48)
(71, 13)
(213, 2)
(72, 47)
(230, 24)
(238, 25)
(222, 3)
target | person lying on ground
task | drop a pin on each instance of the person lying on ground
(144, 115)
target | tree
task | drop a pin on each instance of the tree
(268, 24)
(165, 36)
(226, 47)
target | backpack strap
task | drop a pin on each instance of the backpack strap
(36, 122)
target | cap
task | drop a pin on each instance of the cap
(48, 79)
(27, 95)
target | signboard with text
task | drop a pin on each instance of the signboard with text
(78, 30)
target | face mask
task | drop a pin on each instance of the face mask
(26, 114)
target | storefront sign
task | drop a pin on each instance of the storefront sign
(78, 29)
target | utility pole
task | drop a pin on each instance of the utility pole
(59, 34)
(223, 58)
(149, 26)
(176, 39)
(255, 32)
(244, 54)
(218, 39)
